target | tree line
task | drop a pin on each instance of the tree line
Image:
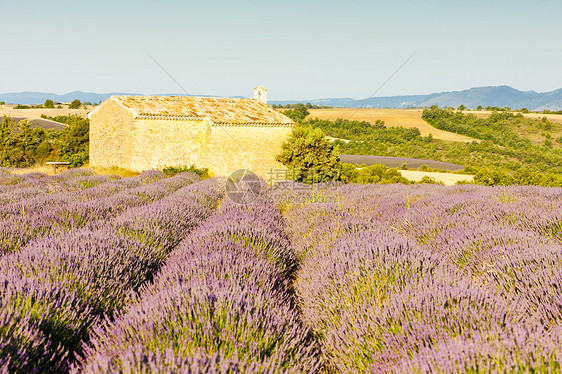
(22, 145)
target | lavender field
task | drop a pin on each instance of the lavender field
(151, 274)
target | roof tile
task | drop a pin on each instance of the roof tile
(217, 109)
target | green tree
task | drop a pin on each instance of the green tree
(49, 104)
(298, 113)
(462, 107)
(75, 104)
(310, 156)
(74, 140)
(378, 173)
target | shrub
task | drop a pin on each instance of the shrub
(310, 156)
(203, 173)
(75, 104)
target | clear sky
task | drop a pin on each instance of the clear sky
(297, 49)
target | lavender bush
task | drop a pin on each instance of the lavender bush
(222, 303)
(432, 279)
(99, 268)
(152, 274)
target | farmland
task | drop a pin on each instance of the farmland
(102, 274)
(407, 118)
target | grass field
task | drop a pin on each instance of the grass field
(50, 170)
(556, 118)
(535, 133)
(407, 118)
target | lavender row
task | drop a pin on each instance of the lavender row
(433, 279)
(56, 190)
(57, 289)
(222, 303)
(14, 187)
(68, 214)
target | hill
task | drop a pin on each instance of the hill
(497, 96)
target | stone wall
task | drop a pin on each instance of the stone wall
(244, 147)
(161, 143)
(117, 139)
(110, 136)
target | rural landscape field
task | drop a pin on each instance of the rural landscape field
(280, 187)
(407, 118)
(156, 274)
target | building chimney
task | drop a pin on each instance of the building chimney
(260, 94)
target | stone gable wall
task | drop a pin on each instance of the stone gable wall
(110, 141)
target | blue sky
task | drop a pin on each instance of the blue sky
(298, 49)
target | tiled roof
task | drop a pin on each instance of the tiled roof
(218, 110)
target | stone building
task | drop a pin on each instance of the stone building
(152, 132)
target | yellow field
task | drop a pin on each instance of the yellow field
(50, 170)
(36, 113)
(45, 169)
(407, 118)
(555, 118)
(448, 179)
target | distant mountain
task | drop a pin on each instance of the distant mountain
(499, 96)
(40, 97)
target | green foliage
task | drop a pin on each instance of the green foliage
(2, 103)
(74, 140)
(75, 104)
(363, 131)
(547, 111)
(173, 170)
(307, 105)
(21, 145)
(426, 179)
(49, 104)
(298, 113)
(501, 150)
(24, 146)
(19, 106)
(310, 156)
(371, 174)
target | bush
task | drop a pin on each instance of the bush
(371, 174)
(298, 113)
(429, 180)
(24, 146)
(75, 104)
(310, 156)
(170, 171)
